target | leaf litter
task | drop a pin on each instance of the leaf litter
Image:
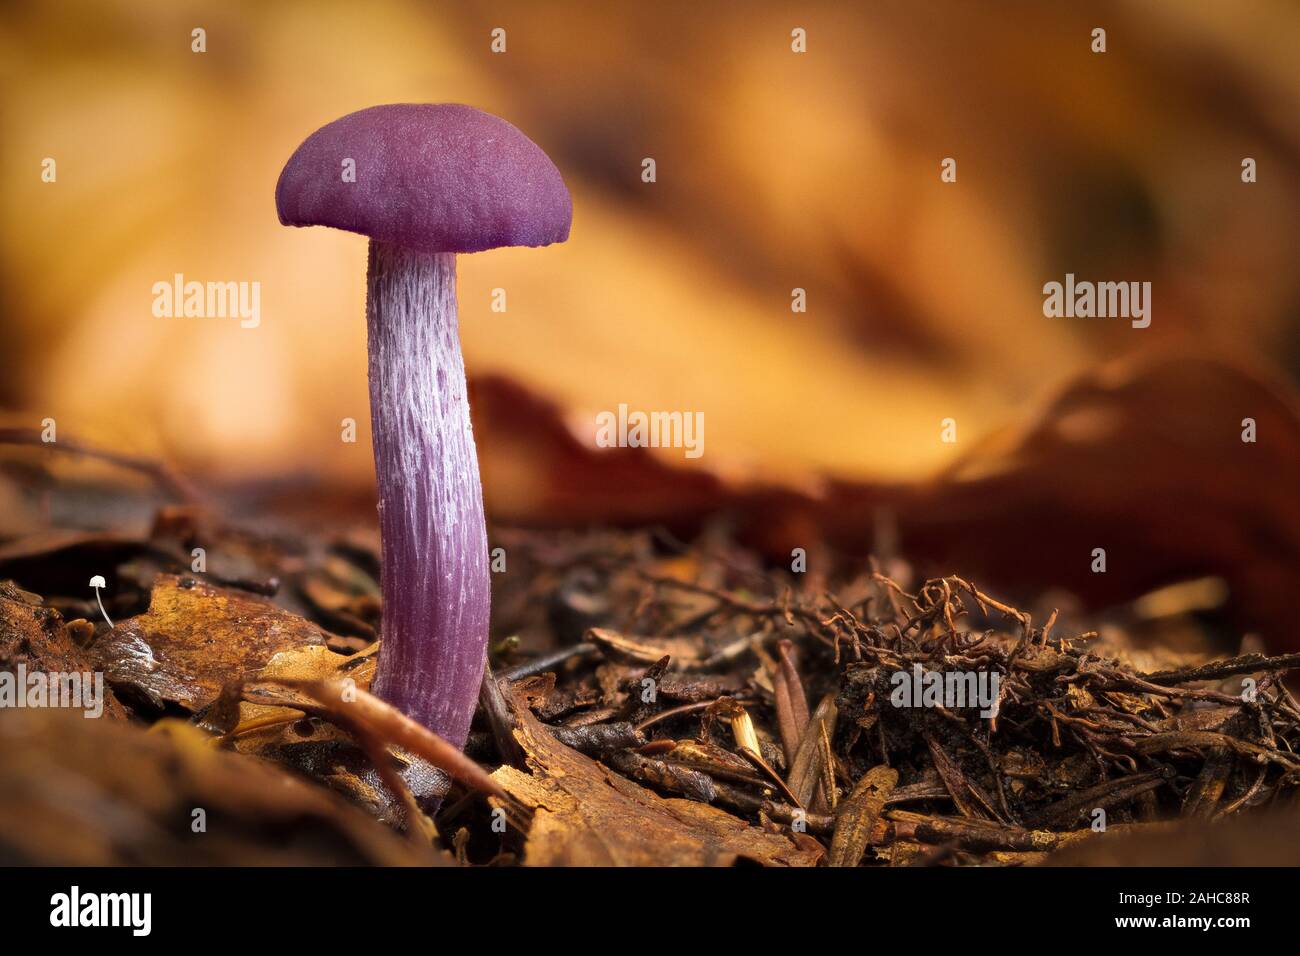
(652, 703)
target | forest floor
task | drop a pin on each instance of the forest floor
(652, 702)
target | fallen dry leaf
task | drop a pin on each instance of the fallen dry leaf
(857, 816)
(587, 815)
(37, 638)
(685, 652)
(309, 663)
(194, 639)
(79, 792)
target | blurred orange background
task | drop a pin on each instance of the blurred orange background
(775, 170)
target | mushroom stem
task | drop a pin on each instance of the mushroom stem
(434, 572)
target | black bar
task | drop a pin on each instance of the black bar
(564, 907)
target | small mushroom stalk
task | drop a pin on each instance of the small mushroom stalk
(434, 575)
(433, 180)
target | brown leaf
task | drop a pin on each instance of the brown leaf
(194, 639)
(79, 792)
(791, 700)
(646, 650)
(805, 774)
(587, 815)
(310, 663)
(37, 638)
(858, 815)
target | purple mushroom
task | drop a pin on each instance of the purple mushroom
(426, 182)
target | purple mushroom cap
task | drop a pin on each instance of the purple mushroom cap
(430, 177)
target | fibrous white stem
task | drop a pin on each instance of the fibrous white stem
(434, 569)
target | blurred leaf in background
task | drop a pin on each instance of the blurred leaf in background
(776, 171)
